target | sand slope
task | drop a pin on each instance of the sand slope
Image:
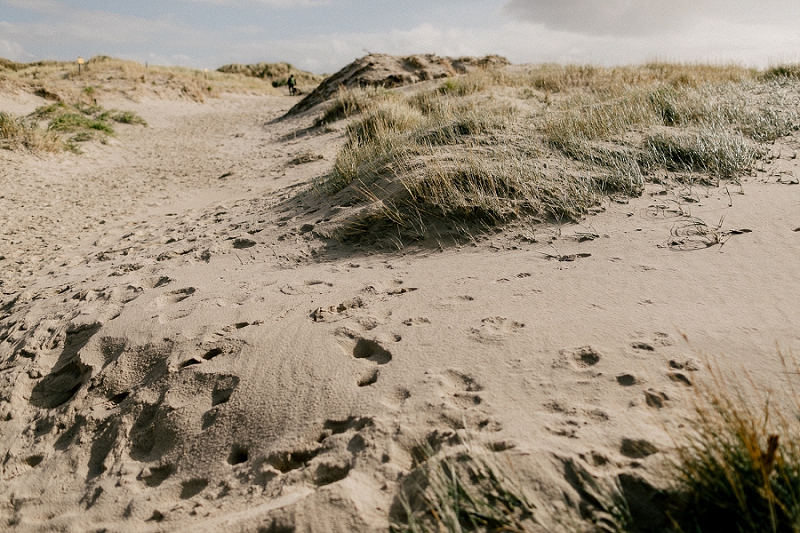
(179, 350)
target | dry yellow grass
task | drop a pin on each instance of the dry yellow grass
(545, 142)
(104, 75)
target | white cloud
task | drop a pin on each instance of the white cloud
(645, 17)
(13, 51)
(603, 17)
(741, 37)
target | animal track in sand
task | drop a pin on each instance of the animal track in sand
(366, 349)
(416, 321)
(153, 477)
(372, 351)
(637, 449)
(155, 282)
(494, 329)
(370, 377)
(655, 399)
(627, 380)
(192, 487)
(643, 346)
(174, 297)
(582, 358)
(69, 373)
(322, 314)
(463, 389)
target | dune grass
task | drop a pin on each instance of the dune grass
(25, 133)
(735, 468)
(106, 76)
(82, 122)
(467, 490)
(738, 465)
(547, 142)
(67, 124)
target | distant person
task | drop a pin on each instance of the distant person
(292, 83)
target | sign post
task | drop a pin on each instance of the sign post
(80, 62)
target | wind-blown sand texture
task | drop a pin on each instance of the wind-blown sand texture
(180, 350)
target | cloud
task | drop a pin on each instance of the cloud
(605, 17)
(646, 17)
(13, 51)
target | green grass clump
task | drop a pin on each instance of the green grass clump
(74, 122)
(18, 132)
(738, 466)
(83, 122)
(128, 117)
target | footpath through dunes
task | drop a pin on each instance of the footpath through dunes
(206, 359)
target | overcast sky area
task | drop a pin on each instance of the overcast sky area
(324, 35)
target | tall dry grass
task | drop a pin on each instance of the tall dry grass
(25, 133)
(546, 142)
(738, 463)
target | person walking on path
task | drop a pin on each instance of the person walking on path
(292, 83)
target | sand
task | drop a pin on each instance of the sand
(181, 351)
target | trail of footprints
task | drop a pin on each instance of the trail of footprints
(586, 362)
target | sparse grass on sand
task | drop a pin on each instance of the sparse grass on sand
(466, 490)
(735, 468)
(105, 76)
(67, 124)
(82, 122)
(546, 142)
(25, 133)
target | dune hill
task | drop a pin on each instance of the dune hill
(246, 318)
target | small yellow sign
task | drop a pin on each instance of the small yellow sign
(80, 61)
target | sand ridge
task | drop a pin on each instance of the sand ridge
(181, 349)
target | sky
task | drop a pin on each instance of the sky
(324, 35)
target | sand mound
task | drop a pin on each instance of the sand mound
(382, 70)
(181, 348)
(104, 78)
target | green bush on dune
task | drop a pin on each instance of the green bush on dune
(83, 122)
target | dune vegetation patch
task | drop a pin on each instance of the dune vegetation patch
(25, 133)
(735, 466)
(64, 126)
(104, 76)
(543, 143)
(82, 122)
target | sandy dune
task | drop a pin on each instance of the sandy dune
(181, 351)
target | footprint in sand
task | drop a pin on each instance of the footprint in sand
(463, 389)
(174, 297)
(581, 358)
(365, 349)
(495, 329)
